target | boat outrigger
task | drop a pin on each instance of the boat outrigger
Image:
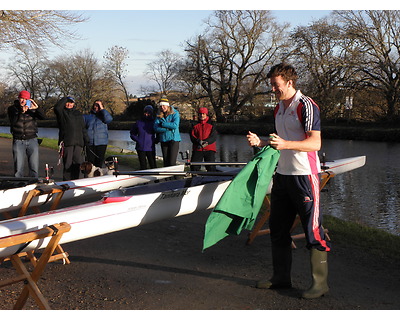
(130, 207)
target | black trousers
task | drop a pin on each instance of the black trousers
(150, 156)
(170, 151)
(72, 159)
(291, 195)
(199, 156)
(96, 154)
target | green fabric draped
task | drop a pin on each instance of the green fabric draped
(242, 200)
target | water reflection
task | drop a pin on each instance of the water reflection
(369, 195)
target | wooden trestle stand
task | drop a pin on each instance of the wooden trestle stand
(257, 231)
(30, 279)
(51, 190)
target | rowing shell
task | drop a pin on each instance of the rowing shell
(337, 167)
(130, 207)
(121, 209)
(343, 165)
(11, 199)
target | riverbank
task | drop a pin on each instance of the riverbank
(161, 266)
(125, 157)
(383, 132)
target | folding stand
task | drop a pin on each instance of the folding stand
(30, 280)
(57, 190)
(50, 190)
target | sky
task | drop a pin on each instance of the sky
(146, 33)
(146, 30)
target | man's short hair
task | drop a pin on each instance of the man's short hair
(286, 71)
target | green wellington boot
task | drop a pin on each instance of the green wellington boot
(319, 273)
(282, 265)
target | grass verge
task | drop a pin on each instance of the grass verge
(377, 242)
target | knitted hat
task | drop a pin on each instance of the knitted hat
(70, 99)
(148, 109)
(203, 110)
(24, 95)
(164, 101)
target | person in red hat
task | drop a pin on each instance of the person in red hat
(203, 137)
(23, 127)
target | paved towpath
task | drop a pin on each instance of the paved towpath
(161, 266)
(46, 155)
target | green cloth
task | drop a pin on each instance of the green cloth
(242, 200)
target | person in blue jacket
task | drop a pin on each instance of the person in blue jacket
(97, 128)
(142, 132)
(166, 126)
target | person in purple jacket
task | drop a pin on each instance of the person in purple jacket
(142, 132)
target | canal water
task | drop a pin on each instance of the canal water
(369, 195)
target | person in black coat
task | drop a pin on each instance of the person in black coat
(23, 127)
(72, 137)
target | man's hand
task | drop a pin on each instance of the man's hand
(312, 142)
(277, 142)
(253, 139)
(33, 105)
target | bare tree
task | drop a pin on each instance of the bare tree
(59, 71)
(86, 72)
(47, 84)
(190, 85)
(231, 59)
(375, 51)
(26, 67)
(36, 27)
(321, 57)
(115, 66)
(7, 96)
(78, 75)
(164, 70)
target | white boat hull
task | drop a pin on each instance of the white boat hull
(124, 210)
(344, 165)
(12, 199)
(106, 216)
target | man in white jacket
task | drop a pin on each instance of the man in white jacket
(296, 187)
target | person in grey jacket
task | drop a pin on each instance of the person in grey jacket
(72, 137)
(23, 127)
(97, 128)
